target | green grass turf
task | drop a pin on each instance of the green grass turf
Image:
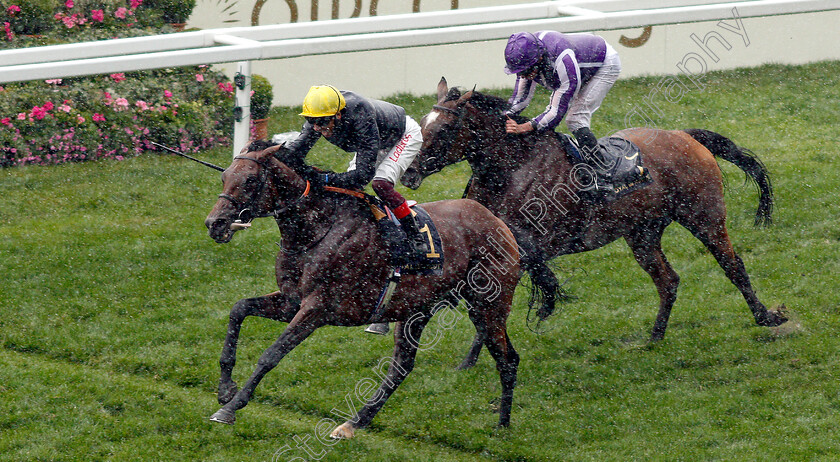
(115, 304)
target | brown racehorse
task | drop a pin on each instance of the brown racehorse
(332, 267)
(527, 181)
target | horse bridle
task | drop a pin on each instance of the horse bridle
(250, 205)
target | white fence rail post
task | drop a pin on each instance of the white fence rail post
(242, 107)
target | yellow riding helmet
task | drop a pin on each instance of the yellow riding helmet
(323, 101)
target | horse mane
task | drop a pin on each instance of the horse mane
(260, 145)
(485, 103)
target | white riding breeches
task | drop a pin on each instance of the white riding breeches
(392, 163)
(590, 97)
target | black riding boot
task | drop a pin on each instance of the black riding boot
(399, 249)
(416, 240)
(594, 157)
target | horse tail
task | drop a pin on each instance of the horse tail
(746, 160)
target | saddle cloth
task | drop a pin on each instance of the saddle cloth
(625, 161)
(432, 263)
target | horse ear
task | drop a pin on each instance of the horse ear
(442, 90)
(466, 97)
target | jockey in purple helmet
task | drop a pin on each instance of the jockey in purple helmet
(579, 69)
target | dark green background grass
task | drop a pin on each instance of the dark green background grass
(115, 304)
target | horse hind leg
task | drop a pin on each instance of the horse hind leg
(491, 326)
(472, 355)
(406, 338)
(646, 243)
(716, 239)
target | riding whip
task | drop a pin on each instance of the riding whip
(216, 167)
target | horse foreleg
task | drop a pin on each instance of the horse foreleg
(271, 306)
(646, 244)
(303, 324)
(472, 355)
(406, 342)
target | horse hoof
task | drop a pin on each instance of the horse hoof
(774, 318)
(224, 416)
(227, 393)
(465, 365)
(344, 431)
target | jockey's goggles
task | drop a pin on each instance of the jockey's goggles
(320, 121)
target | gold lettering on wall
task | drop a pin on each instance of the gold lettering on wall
(313, 9)
(638, 41)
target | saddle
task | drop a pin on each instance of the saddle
(625, 171)
(432, 262)
(395, 236)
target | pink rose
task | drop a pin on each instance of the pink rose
(142, 105)
(38, 113)
(13, 9)
(98, 117)
(21, 116)
(122, 12)
(135, 4)
(121, 102)
(69, 4)
(199, 78)
(167, 94)
(53, 81)
(6, 121)
(80, 119)
(97, 15)
(118, 77)
(49, 106)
